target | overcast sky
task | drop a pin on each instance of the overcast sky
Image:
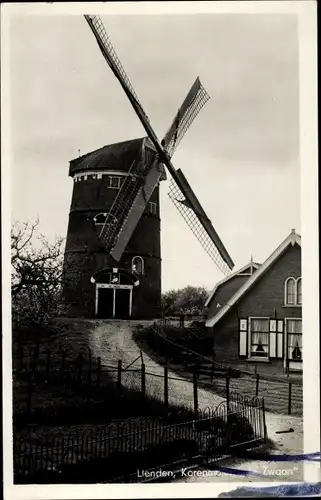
(241, 155)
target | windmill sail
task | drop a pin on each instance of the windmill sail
(193, 103)
(191, 210)
(128, 204)
(152, 179)
(137, 186)
(115, 65)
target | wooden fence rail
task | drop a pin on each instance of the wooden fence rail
(87, 370)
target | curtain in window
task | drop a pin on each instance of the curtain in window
(294, 329)
(294, 325)
(259, 337)
(290, 291)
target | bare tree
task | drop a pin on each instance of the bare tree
(36, 275)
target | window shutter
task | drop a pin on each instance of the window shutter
(272, 325)
(279, 346)
(243, 338)
(272, 343)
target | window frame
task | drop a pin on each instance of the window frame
(152, 208)
(142, 264)
(105, 214)
(100, 223)
(253, 356)
(111, 178)
(286, 321)
(296, 281)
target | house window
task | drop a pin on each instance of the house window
(152, 208)
(138, 265)
(294, 335)
(293, 292)
(290, 286)
(114, 182)
(259, 335)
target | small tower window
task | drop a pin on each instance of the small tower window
(100, 219)
(114, 182)
(138, 265)
(152, 208)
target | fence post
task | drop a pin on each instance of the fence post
(90, 366)
(21, 357)
(212, 372)
(265, 434)
(143, 380)
(257, 384)
(29, 393)
(48, 361)
(80, 361)
(166, 386)
(34, 360)
(195, 390)
(98, 371)
(63, 364)
(228, 390)
(37, 348)
(119, 372)
(290, 399)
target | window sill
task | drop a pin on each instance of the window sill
(258, 360)
(292, 305)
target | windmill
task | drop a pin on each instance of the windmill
(146, 170)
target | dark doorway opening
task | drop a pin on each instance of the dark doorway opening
(122, 303)
(105, 303)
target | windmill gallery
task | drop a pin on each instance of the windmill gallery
(113, 255)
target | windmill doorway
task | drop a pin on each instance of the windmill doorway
(113, 301)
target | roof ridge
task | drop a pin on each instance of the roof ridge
(227, 278)
(292, 238)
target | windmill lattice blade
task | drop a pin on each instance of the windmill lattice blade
(193, 221)
(193, 103)
(136, 211)
(113, 61)
(125, 200)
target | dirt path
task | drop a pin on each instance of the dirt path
(113, 341)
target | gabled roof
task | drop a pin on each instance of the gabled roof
(241, 271)
(292, 239)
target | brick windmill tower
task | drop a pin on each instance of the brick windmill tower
(113, 257)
